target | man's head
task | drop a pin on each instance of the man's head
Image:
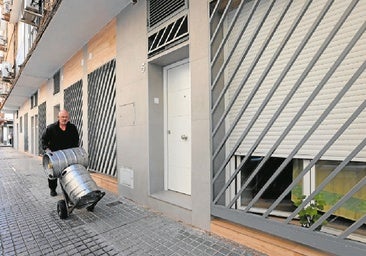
(63, 117)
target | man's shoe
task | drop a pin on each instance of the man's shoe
(53, 193)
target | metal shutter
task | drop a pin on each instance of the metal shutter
(350, 70)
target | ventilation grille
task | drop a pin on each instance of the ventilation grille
(168, 36)
(159, 10)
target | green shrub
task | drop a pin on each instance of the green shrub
(312, 212)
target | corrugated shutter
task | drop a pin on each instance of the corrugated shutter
(344, 72)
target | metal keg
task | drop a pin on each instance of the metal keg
(79, 185)
(55, 162)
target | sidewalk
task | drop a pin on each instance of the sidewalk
(29, 224)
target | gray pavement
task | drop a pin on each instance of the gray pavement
(29, 224)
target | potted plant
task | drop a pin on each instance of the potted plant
(312, 212)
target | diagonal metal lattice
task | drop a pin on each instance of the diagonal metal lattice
(102, 119)
(41, 123)
(287, 79)
(73, 102)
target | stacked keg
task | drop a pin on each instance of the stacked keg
(69, 166)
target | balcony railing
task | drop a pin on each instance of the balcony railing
(36, 15)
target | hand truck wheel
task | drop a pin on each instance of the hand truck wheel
(90, 208)
(62, 209)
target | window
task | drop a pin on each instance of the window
(56, 82)
(34, 100)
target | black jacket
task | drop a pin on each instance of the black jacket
(56, 139)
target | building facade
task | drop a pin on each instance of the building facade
(247, 111)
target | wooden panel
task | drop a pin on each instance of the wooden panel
(106, 182)
(42, 93)
(102, 47)
(260, 241)
(73, 70)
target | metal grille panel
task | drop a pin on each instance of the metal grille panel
(160, 10)
(73, 102)
(287, 106)
(26, 137)
(42, 125)
(102, 119)
(170, 35)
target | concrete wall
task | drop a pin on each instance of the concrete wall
(199, 59)
(131, 95)
(140, 120)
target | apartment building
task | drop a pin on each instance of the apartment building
(248, 113)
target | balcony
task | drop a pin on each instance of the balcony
(32, 16)
(64, 29)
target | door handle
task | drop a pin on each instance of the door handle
(184, 137)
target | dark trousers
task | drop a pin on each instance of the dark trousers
(52, 183)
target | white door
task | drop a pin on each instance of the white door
(178, 127)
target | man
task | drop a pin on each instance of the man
(59, 135)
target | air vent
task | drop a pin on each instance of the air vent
(170, 35)
(161, 10)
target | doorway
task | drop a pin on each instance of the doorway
(56, 110)
(34, 135)
(177, 109)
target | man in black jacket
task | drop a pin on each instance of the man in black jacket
(59, 135)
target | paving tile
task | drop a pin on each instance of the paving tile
(29, 224)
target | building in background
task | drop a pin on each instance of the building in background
(6, 129)
(244, 111)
